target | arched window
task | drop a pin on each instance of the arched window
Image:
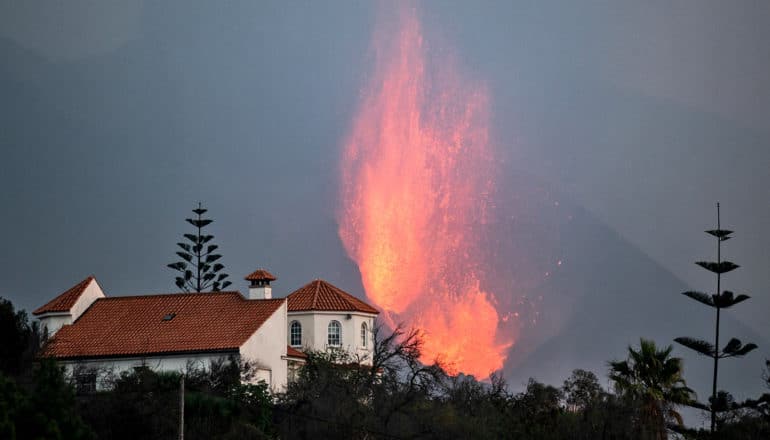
(364, 332)
(334, 337)
(295, 334)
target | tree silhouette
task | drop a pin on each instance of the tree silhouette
(199, 268)
(581, 390)
(653, 379)
(719, 301)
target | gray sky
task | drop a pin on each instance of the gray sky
(118, 117)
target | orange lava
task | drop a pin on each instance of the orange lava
(417, 180)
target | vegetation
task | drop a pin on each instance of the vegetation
(18, 339)
(199, 268)
(145, 404)
(391, 395)
(35, 399)
(719, 401)
(652, 379)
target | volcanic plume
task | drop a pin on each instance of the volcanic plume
(418, 181)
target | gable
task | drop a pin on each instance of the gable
(66, 300)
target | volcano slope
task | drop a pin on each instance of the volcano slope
(604, 297)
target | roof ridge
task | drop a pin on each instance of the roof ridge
(315, 294)
(346, 296)
(64, 301)
(139, 295)
(349, 298)
(340, 293)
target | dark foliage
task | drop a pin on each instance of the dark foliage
(145, 404)
(397, 397)
(652, 381)
(581, 390)
(138, 395)
(46, 410)
(19, 341)
(391, 395)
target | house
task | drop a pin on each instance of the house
(90, 331)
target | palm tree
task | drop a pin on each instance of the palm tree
(652, 379)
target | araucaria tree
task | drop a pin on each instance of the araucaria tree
(199, 268)
(719, 300)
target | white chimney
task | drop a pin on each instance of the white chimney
(259, 284)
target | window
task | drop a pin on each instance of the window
(85, 382)
(364, 331)
(295, 334)
(333, 339)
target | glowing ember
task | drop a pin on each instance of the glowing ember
(417, 180)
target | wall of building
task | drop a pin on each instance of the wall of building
(315, 327)
(91, 293)
(52, 323)
(364, 352)
(267, 349)
(108, 369)
(308, 336)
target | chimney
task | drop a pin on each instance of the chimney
(259, 284)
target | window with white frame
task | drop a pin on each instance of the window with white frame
(334, 337)
(364, 334)
(295, 334)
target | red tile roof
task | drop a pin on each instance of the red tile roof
(65, 301)
(260, 274)
(135, 325)
(323, 296)
(293, 352)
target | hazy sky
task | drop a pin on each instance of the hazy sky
(118, 117)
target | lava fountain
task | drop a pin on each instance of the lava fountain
(418, 180)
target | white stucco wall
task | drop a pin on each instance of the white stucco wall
(89, 295)
(308, 336)
(363, 351)
(267, 348)
(53, 322)
(179, 363)
(315, 327)
(261, 292)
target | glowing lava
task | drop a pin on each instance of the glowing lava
(417, 180)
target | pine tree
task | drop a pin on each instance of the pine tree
(199, 269)
(719, 301)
